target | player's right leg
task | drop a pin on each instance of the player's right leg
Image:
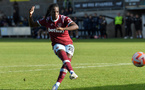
(61, 53)
(60, 50)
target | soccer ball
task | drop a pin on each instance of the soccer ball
(138, 59)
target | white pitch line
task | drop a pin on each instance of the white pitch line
(29, 70)
(30, 65)
(119, 64)
(58, 64)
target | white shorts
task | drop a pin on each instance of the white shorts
(67, 48)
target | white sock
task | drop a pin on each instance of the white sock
(71, 72)
(57, 83)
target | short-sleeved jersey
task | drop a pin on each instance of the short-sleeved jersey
(57, 36)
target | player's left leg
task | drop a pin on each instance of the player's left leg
(61, 76)
(70, 51)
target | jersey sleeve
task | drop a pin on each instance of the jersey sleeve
(67, 21)
(41, 22)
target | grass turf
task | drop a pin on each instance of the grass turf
(102, 64)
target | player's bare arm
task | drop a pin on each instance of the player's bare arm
(31, 22)
(72, 26)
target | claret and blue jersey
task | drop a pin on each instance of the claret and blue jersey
(57, 36)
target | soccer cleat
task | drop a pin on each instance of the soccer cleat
(73, 76)
(55, 87)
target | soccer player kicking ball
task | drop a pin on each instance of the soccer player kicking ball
(58, 26)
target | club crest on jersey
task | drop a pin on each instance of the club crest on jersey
(55, 31)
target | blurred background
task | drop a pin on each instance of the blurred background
(96, 18)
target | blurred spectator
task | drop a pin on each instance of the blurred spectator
(138, 23)
(100, 25)
(103, 28)
(1, 19)
(66, 12)
(16, 13)
(20, 23)
(132, 18)
(1, 22)
(132, 22)
(38, 32)
(25, 22)
(75, 31)
(95, 25)
(118, 21)
(34, 31)
(9, 20)
(70, 11)
(62, 12)
(90, 26)
(5, 21)
(67, 4)
(1, 14)
(128, 31)
(85, 23)
(42, 31)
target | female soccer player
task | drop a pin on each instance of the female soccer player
(58, 26)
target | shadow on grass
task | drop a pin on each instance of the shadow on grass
(115, 87)
(74, 40)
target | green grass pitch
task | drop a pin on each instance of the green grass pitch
(101, 64)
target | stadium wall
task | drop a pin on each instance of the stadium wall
(41, 6)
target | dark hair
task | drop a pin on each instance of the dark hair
(50, 8)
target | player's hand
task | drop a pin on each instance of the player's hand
(31, 10)
(60, 28)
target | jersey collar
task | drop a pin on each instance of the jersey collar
(54, 20)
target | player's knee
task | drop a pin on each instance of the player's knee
(58, 47)
(69, 55)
